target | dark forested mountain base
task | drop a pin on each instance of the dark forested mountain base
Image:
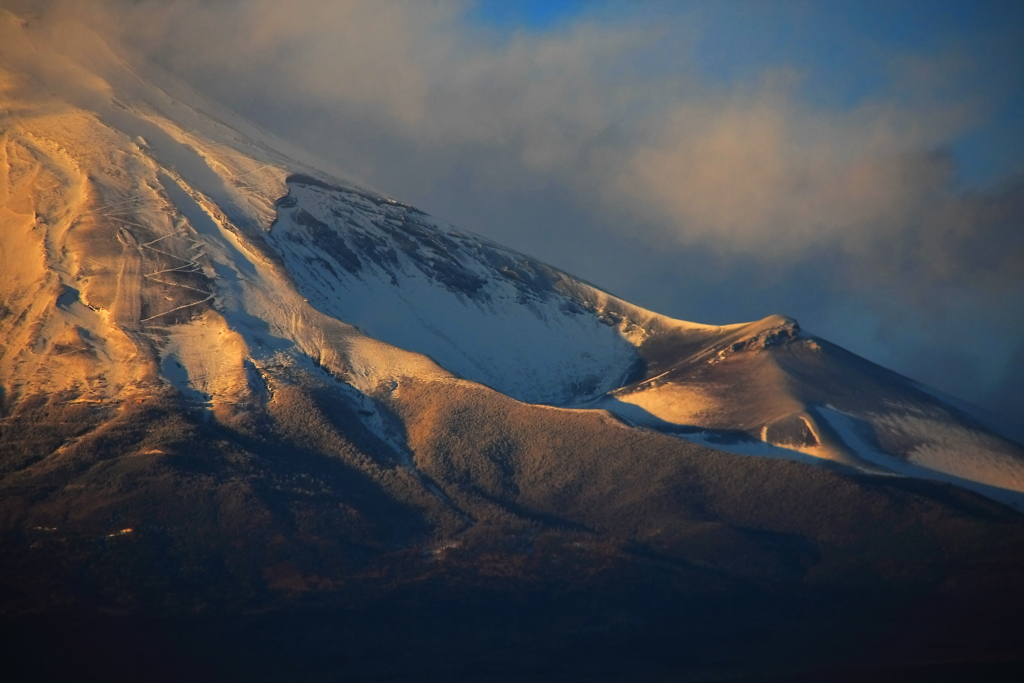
(238, 564)
(632, 628)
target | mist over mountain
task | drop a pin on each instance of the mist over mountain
(260, 420)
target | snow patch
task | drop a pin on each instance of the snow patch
(860, 437)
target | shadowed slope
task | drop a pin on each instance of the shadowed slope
(522, 536)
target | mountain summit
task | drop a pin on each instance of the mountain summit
(234, 384)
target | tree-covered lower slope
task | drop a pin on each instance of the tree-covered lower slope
(509, 542)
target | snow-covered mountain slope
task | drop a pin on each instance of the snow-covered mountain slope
(482, 311)
(151, 241)
(796, 391)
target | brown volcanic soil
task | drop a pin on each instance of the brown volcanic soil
(527, 543)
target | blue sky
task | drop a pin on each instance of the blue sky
(843, 50)
(529, 15)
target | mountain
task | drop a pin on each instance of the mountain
(260, 420)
